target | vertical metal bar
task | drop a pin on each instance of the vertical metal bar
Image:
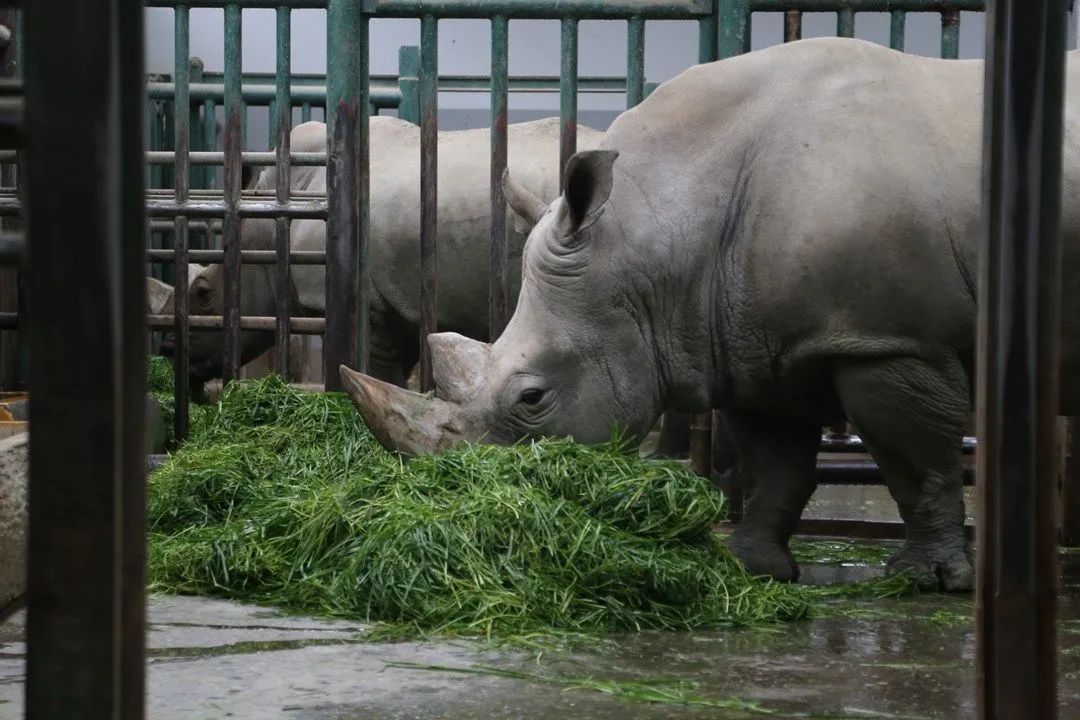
(429, 164)
(409, 83)
(709, 35)
(498, 289)
(1070, 484)
(792, 25)
(635, 61)
(84, 89)
(343, 186)
(845, 23)
(210, 143)
(9, 277)
(734, 27)
(363, 336)
(195, 134)
(950, 34)
(132, 239)
(182, 99)
(1018, 347)
(282, 128)
(897, 26)
(568, 92)
(305, 112)
(231, 232)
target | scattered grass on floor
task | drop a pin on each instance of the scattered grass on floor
(666, 691)
(841, 552)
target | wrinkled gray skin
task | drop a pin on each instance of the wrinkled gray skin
(790, 236)
(464, 215)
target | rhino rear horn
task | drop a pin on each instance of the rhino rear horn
(523, 202)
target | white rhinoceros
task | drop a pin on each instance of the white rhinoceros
(464, 222)
(789, 235)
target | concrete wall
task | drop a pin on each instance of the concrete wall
(465, 48)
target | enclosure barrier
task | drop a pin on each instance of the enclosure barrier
(86, 584)
(187, 209)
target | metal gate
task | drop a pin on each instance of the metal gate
(86, 590)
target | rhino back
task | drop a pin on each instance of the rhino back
(826, 197)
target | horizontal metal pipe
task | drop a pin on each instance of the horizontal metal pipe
(298, 325)
(269, 210)
(248, 257)
(212, 194)
(244, 4)
(543, 9)
(854, 444)
(165, 157)
(381, 97)
(386, 93)
(9, 321)
(860, 6)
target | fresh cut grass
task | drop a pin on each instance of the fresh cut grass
(284, 497)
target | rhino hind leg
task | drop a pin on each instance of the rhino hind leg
(912, 415)
(775, 461)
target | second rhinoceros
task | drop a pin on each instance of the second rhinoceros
(464, 222)
(791, 236)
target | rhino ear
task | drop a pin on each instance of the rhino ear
(588, 181)
(458, 364)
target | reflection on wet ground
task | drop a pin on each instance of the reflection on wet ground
(900, 658)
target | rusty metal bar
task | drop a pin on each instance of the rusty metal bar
(195, 209)
(1018, 349)
(247, 257)
(897, 28)
(792, 25)
(363, 335)
(88, 355)
(429, 165)
(635, 61)
(498, 289)
(283, 299)
(266, 159)
(542, 9)
(568, 92)
(845, 23)
(230, 238)
(950, 34)
(860, 6)
(298, 325)
(346, 42)
(182, 101)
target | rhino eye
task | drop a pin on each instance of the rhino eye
(531, 396)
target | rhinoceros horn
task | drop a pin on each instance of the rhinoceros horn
(522, 201)
(401, 420)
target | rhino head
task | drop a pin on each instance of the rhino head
(206, 297)
(572, 361)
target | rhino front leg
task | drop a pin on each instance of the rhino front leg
(911, 414)
(394, 348)
(775, 460)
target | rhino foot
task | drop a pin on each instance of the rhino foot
(761, 556)
(933, 568)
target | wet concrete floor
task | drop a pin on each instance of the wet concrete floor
(900, 658)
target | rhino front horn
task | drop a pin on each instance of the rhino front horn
(401, 420)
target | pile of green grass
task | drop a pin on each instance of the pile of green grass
(284, 497)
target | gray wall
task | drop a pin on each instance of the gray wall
(464, 48)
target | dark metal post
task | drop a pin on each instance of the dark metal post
(568, 94)
(9, 277)
(498, 289)
(409, 83)
(88, 353)
(230, 238)
(344, 22)
(1018, 345)
(429, 192)
(282, 128)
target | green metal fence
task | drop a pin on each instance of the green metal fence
(349, 95)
